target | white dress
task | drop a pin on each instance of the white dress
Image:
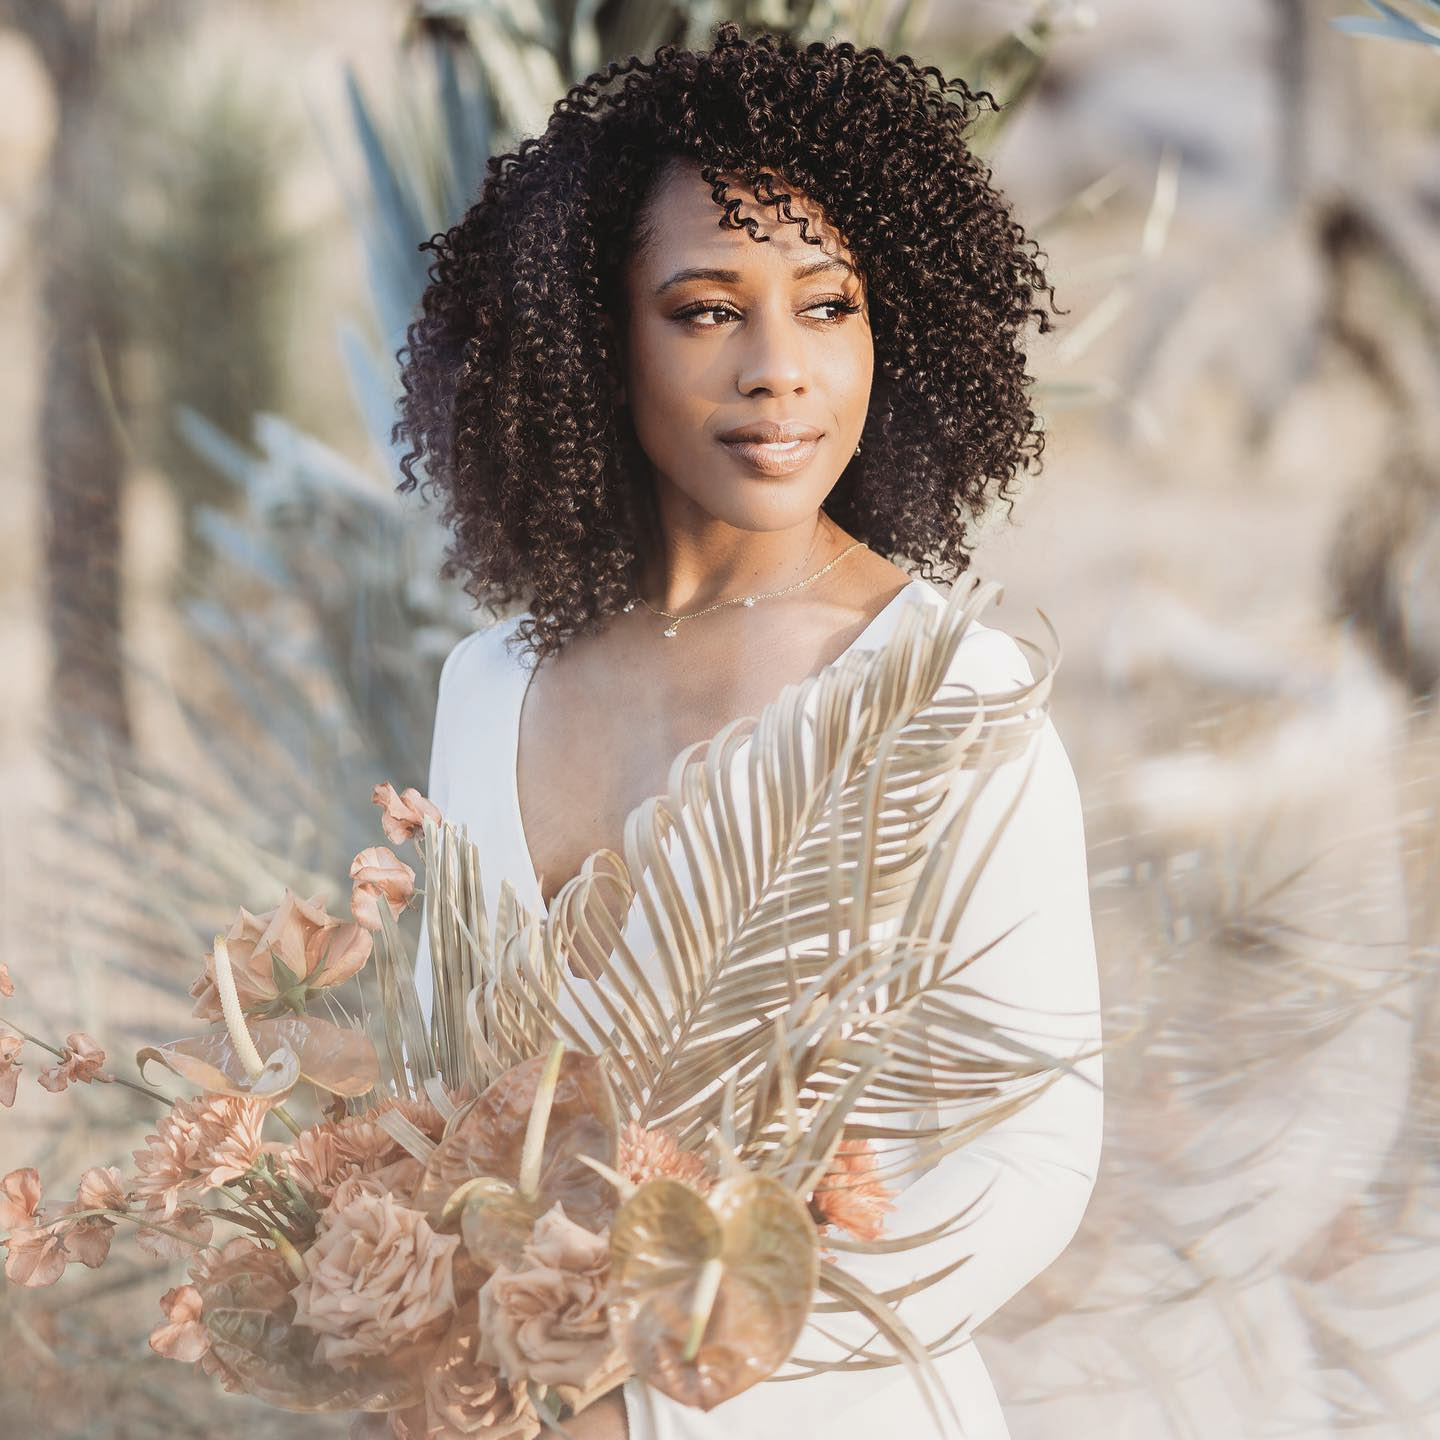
(1031, 1175)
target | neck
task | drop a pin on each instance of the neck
(691, 571)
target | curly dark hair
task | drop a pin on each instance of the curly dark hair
(510, 370)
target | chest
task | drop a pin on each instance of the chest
(590, 749)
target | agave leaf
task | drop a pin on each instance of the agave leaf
(485, 1140)
(249, 1314)
(663, 1241)
(332, 1057)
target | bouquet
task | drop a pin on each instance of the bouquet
(481, 1220)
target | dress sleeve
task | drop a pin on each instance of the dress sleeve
(1028, 1179)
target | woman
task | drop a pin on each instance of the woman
(735, 334)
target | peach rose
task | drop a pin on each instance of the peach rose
(545, 1321)
(379, 1277)
(466, 1396)
(403, 816)
(317, 949)
(379, 874)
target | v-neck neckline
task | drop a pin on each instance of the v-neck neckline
(533, 900)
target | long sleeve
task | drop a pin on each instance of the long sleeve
(1029, 1177)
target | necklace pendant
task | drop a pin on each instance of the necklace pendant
(670, 633)
(749, 600)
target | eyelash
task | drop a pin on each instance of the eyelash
(845, 307)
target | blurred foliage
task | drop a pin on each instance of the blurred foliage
(1393, 24)
(200, 258)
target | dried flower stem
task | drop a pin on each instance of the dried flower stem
(109, 1079)
(534, 1150)
(139, 1220)
(291, 1256)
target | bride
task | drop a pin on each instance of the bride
(739, 332)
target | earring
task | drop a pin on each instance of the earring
(857, 447)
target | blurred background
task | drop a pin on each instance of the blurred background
(222, 627)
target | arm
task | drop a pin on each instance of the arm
(1035, 1170)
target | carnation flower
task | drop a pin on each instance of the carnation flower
(316, 1161)
(379, 874)
(848, 1196)
(545, 1321)
(403, 815)
(11, 1045)
(319, 950)
(183, 1336)
(379, 1276)
(81, 1061)
(466, 1396)
(655, 1155)
(200, 1144)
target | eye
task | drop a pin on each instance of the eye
(709, 307)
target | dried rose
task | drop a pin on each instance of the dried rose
(378, 874)
(297, 940)
(545, 1320)
(7, 985)
(379, 1277)
(404, 814)
(465, 1395)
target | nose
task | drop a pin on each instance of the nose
(772, 355)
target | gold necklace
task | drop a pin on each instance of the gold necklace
(746, 600)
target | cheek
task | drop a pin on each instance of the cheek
(662, 372)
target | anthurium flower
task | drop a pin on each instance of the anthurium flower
(379, 874)
(297, 945)
(403, 815)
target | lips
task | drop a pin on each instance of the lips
(774, 459)
(770, 432)
(773, 447)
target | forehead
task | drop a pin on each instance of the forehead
(681, 223)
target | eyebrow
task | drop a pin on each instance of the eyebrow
(732, 277)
